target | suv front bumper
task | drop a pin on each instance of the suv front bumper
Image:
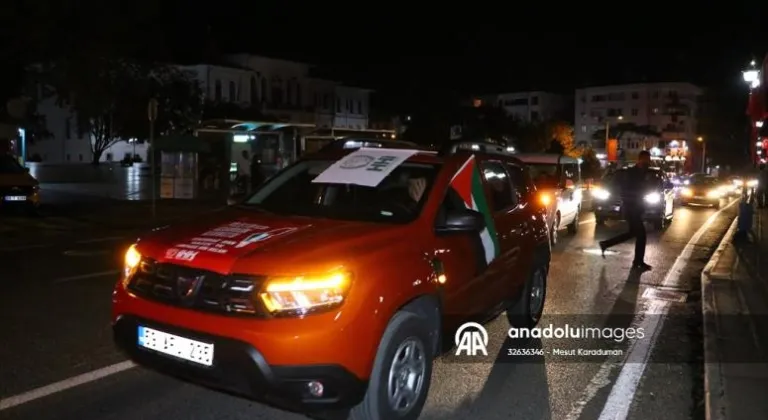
(240, 368)
(611, 211)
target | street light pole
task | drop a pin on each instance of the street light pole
(703, 154)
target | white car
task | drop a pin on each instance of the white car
(558, 178)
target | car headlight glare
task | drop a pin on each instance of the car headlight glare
(301, 295)
(131, 261)
(600, 194)
(686, 192)
(752, 183)
(653, 198)
(714, 194)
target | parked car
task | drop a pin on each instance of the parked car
(18, 189)
(333, 285)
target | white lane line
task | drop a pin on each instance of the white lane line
(86, 276)
(64, 385)
(601, 378)
(624, 389)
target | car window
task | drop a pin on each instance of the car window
(399, 198)
(543, 174)
(520, 183)
(9, 165)
(503, 196)
(571, 171)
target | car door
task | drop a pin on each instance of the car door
(511, 222)
(669, 194)
(461, 258)
(571, 194)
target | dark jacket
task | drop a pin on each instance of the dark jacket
(635, 185)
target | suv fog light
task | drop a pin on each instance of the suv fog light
(315, 389)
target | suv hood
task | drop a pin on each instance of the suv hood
(237, 241)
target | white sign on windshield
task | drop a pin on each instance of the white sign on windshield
(366, 167)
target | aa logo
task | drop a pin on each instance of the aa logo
(470, 339)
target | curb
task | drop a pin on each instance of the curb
(714, 390)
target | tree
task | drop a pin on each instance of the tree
(110, 96)
(590, 164)
(562, 134)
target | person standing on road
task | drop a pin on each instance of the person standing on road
(633, 190)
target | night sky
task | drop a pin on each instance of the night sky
(410, 48)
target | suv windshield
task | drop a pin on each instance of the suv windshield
(543, 174)
(397, 199)
(9, 165)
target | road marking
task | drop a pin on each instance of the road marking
(64, 385)
(600, 380)
(86, 276)
(623, 392)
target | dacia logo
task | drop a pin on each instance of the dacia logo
(471, 338)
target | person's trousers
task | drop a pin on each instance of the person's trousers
(636, 230)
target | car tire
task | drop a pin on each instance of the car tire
(716, 206)
(553, 231)
(526, 312)
(405, 332)
(573, 227)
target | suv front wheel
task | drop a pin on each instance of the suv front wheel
(402, 372)
(527, 311)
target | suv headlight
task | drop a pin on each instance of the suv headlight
(714, 194)
(302, 295)
(600, 194)
(752, 183)
(653, 198)
(131, 261)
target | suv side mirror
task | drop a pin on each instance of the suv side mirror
(462, 221)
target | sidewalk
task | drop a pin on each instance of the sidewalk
(735, 314)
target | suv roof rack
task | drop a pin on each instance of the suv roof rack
(482, 146)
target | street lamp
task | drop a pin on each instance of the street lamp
(703, 154)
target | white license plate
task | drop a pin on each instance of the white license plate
(16, 198)
(173, 345)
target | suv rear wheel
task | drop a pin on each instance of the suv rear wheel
(573, 228)
(402, 371)
(527, 311)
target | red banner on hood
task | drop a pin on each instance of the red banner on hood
(229, 240)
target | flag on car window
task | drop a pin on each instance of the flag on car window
(469, 186)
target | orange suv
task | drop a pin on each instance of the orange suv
(331, 287)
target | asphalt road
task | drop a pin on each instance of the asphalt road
(55, 306)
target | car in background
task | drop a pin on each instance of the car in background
(659, 199)
(18, 189)
(333, 286)
(558, 178)
(703, 190)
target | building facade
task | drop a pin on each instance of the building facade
(529, 106)
(279, 89)
(669, 109)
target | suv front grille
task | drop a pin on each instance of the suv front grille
(233, 294)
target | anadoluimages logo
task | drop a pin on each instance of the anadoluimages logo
(470, 339)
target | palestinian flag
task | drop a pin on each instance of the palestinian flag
(468, 183)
